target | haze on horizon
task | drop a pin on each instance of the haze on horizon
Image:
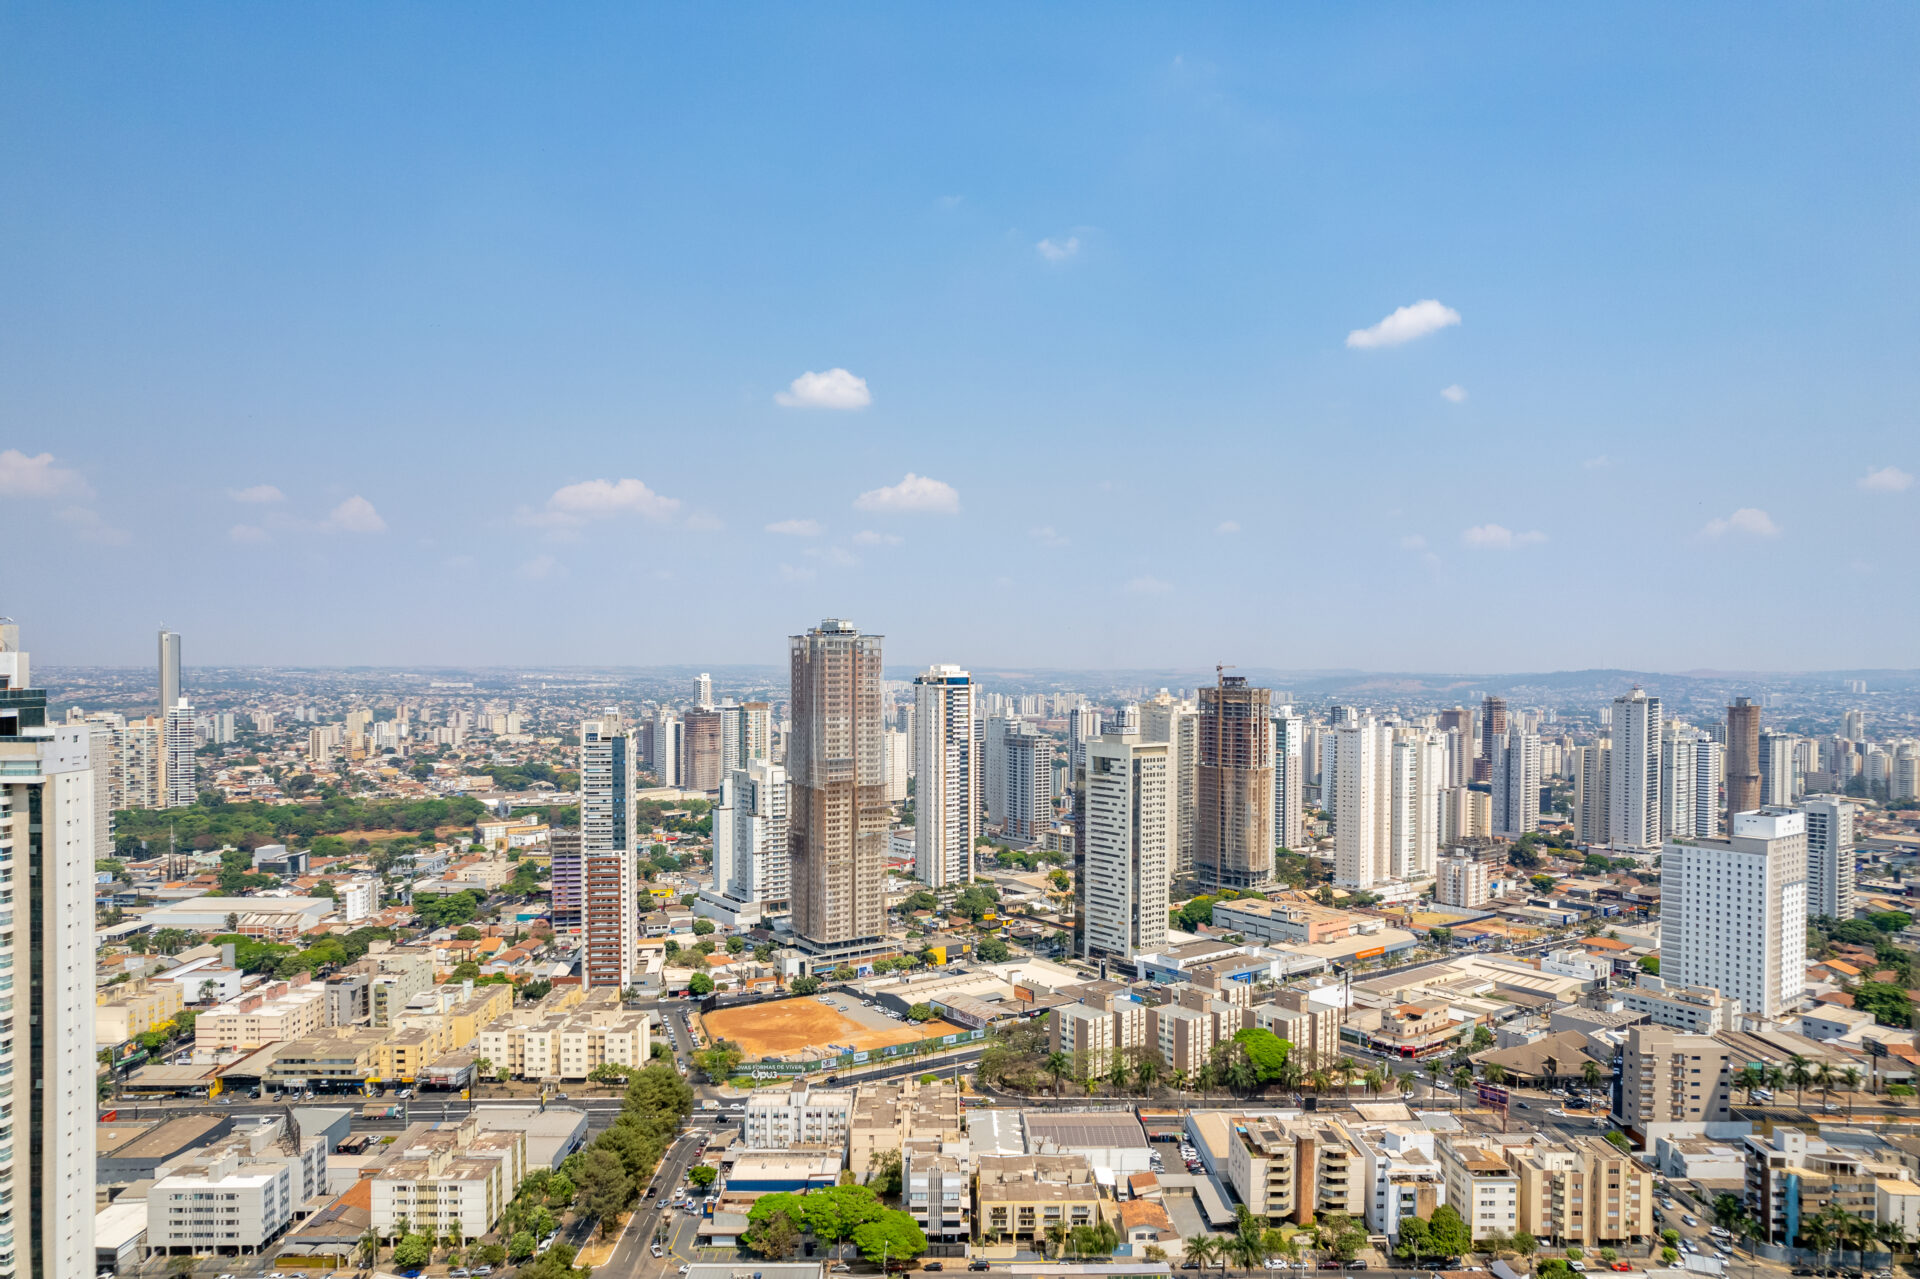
(1396, 340)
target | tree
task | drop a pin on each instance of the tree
(1441, 936)
(412, 1250)
(1203, 1248)
(836, 1212)
(700, 984)
(883, 1173)
(1482, 1038)
(469, 933)
(1451, 1235)
(992, 950)
(763, 952)
(1619, 1139)
(703, 1176)
(1887, 1002)
(893, 1236)
(736, 944)
(1266, 1051)
(1057, 1064)
(719, 1061)
(843, 973)
(804, 985)
(920, 1012)
(701, 927)
(1649, 964)
(1590, 1072)
(920, 900)
(606, 1185)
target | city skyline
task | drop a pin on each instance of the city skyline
(1508, 298)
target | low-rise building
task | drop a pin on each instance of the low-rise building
(439, 1177)
(237, 1195)
(1288, 1169)
(134, 1009)
(1017, 1198)
(1694, 1010)
(566, 1040)
(335, 1061)
(802, 1116)
(273, 1014)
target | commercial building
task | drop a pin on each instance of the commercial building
(1733, 911)
(1233, 787)
(47, 1065)
(1830, 857)
(609, 906)
(1126, 861)
(802, 1116)
(838, 812)
(238, 1195)
(275, 1013)
(1633, 790)
(947, 798)
(1669, 1077)
(268, 918)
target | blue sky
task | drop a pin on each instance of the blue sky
(461, 334)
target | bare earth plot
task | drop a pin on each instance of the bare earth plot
(789, 1027)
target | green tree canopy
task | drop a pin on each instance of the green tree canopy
(894, 1237)
(1266, 1050)
(993, 950)
(701, 984)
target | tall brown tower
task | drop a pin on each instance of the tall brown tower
(837, 805)
(1493, 727)
(1233, 787)
(1743, 758)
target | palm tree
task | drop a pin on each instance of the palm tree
(1893, 1234)
(1203, 1248)
(1057, 1236)
(1462, 1080)
(1119, 1073)
(1851, 1078)
(1146, 1071)
(1242, 1074)
(1346, 1068)
(1058, 1065)
(1322, 1080)
(1248, 1245)
(1857, 1231)
(1406, 1085)
(1823, 1080)
(1495, 1073)
(1798, 1075)
(1773, 1077)
(1590, 1072)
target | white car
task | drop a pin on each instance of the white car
(1578, 1267)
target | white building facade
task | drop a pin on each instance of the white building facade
(946, 808)
(1733, 912)
(1129, 824)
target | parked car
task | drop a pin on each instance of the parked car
(980, 1263)
(933, 1265)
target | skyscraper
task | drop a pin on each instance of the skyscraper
(1854, 725)
(1591, 780)
(838, 811)
(1083, 724)
(1633, 783)
(47, 1065)
(751, 865)
(1776, 769)
(1459, 719)
(1415, 772)
(1707, 761)
(1493, 727)
(1679, 773)
(946, 810)
(563, 868)
(1361, 812)
(666, 747)
(169, 669)
(1742, 758)
(703, 691)
(1233, 787)
(1830, 857)
(703, 758)
(1165, 718)
(1129, 836)
(1516, 783)
(1029, 786)
(1733, 912)
(609, 836)
(182, 738)
(1289, 782)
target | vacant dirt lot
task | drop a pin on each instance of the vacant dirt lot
(788, 1027)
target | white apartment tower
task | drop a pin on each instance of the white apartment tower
(1416, 768)
(1129, 846)
(1591, 766)
(1733, 912)
(1361, 830)
(946, 810)
(1633, 805)
(666, 747)
(1776, 769)
(1028, 791)
(1169, 719)
(1678, 776)
(183, 738)
(1708, 770)
(609, 838)
(1516, 783)
(703, 692)
(47, 949)
(750, 837)
(1289, 761)
(1830, 857)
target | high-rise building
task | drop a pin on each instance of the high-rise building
(47, 1066)
(1289, 781)
(1733, 912)
(1493, 727)
(946, 810)
(1830, 857)
(1362, 831)
(1129, 845)
(1233, 787)
(1906, 771)
(183, 738)
(898, 759)
(563, 850)
(169, 670)
(1633, 781)
(1516, 783)
(756, 735)
(1166, 718)
(1776, 769)
(702, 750)
(750, 852)
(666, 747)
(1029, 785)
(1854, 726)
(837, 811)
(1083, 724)
(1415, 770)
(1708, 757)
(703, 691)
(1742, 759)
(1459, 719)
(1591, 765)
(609, 839)
(1678, 774)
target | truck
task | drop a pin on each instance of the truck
(381, 1112)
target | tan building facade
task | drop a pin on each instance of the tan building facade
(837, 808)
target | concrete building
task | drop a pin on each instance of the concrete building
(803, 1116)
(1633, 785)
(1181, 1037)
(1360, 804)
(838, 812)
(1462, 881)
(1018, 1197)
(1777, 783)
(1086, 1034)
(1708, 766)
(1233, 787)
(609, 843)
(1584, 1193)
(47, 1065)
(1126, 864)
(1027, 785)
(182, 736)
(1481, 1185)
(751, 868)
(1289, 777)
(1416, 766)
(439, 1177)
(238, 1195)
(1515, 775)
(1742, 759)
(277, 1012)
(1792, 1177)
(1669, 1077)
(1695, 1010)
(1830, 857)
(1733, 911)
(1165, 718)
(1679, 774)
(947, 798)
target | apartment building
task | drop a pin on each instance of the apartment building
(1183, 1037)
(134, 1009)
(1462, 881)
(1289, 1169)
(273, 1014)
(1586, 1192)
(1792, 1176)
(439, 1177)
(1085, 1034)
(1672, 1077)
(936, 1182)
(887, 1116)
(1480, 1185)
(1402, 1175)
(1696, 1010)
(1018, 1197)
(236, 1196)
(803, 1117)
(566, 1042)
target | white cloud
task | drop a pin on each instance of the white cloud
(1600, 463)
(834, 389)
(1750, 520)
(1413, 542)
(1455, 394)
(89, 526)
(1227, 526)
(795, 528)
(1058, 250)
(541, 568)
(916, 494)
(1495, 537)
(247, 534)
(356, 515)
(1048, 535)
(573, 505)
(1888, 479)
(789, 573)
(1148, 586)
(869, 537)
(258, 494)
(37, 476)
(1406, 324)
